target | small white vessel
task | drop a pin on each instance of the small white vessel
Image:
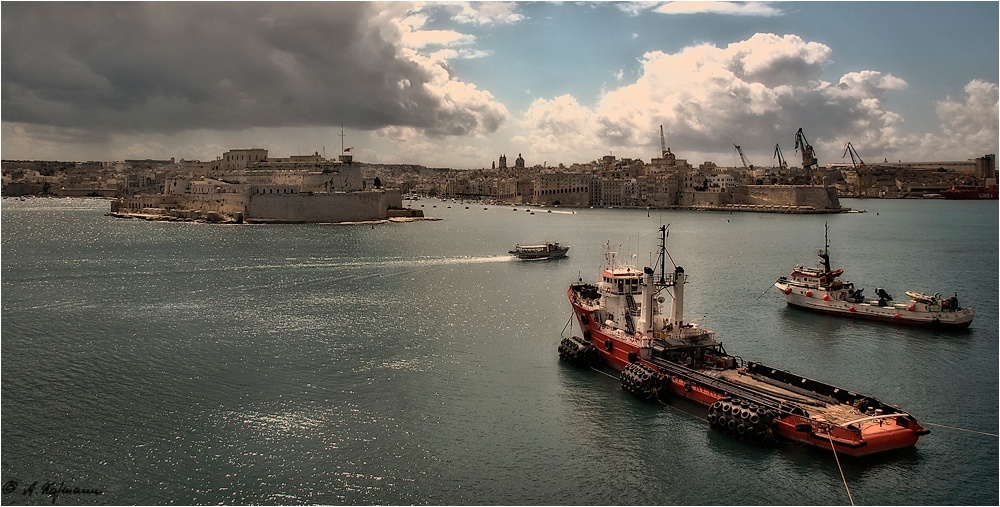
(818, 289)
(548, 250)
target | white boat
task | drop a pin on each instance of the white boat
(548, 250)
(818, 289)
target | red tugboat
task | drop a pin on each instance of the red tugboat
(660, 355)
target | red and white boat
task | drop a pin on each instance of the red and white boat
(660, 355)
(818, 289)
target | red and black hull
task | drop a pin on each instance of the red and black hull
(708, 387)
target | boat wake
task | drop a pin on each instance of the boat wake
(422, 262)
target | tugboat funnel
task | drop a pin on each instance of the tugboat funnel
(677, 308)
(646, 311)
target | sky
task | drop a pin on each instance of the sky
(457, 84)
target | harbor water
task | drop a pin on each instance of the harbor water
(184, 363)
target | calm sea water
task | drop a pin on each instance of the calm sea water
(177, 363)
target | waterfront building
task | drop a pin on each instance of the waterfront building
(562, 189)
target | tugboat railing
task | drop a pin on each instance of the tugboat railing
(878, 417)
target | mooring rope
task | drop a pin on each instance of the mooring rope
(841, 468)
(568, 321)
(960, 429)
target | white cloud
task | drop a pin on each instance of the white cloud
(731, 8)
(634, 8)
(424, 38)
(484, 13)
(969, 124)
(558, 129)
(755, 93)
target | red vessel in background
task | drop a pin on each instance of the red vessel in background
(660, 355)
(981, 184)
(971, 192)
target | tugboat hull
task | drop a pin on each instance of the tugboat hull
(659, 355)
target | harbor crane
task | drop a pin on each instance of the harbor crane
(742, 158)
(746, 168)
(809, 162)
(855, 156)
(782, 164)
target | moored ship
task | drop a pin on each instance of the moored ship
(971, 192)
(659, 355)
(818, 289)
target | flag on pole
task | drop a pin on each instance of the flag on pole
(348, 150)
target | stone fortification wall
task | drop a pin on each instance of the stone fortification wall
(755, 197)
(228, 203)
(793, 195)
(698, 199)
(320, 207)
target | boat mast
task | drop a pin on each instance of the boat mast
(662, 258)
(824, 255)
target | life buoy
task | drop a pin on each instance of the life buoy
(809, 293)
(788, 290)
(826, 297)
(852, 309)
(608, 346)
(911, 307)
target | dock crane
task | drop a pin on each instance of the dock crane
(809, 162)
(782, 164)
(742, 158)
(746, 167)
(855, 156)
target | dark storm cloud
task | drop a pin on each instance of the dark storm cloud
(168, 67)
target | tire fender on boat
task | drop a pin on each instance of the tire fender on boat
(608, 345)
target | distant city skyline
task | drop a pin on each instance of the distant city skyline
(458, 84)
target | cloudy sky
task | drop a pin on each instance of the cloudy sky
(457, 84)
